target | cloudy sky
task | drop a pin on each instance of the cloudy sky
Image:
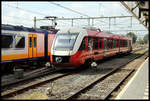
(22, 13)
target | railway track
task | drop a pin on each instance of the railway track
(11, 80)
(18, 90)
(35, 74)
(31, 83)
(106, 94)
(103, 88)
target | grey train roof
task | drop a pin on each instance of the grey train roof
(22, 28)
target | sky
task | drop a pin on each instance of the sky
(23, 13)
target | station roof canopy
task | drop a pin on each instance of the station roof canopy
(139, 9)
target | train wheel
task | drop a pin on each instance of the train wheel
(90, 64)
(87, 64)
(93, 65)
(9, 67)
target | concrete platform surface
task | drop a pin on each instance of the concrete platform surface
(138, 86)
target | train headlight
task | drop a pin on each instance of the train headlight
(58, 59)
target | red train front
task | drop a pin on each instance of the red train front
(74, 47)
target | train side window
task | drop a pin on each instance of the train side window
(111, 43)
(19, 41)
(95, 43)
(100, 43)
(30, 42)
(35, 42)
(117, 43)
(129, 42)
(90, 43)
(7, 41)
(120, 43)
(108, 41)
(123, 43)
(82, 46)
(114, 43)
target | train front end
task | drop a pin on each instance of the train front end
(65, 48)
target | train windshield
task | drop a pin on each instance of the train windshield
(65, 41)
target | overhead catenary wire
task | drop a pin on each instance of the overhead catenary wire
(57, 5)
(26, 10)
(21, 19)
(69, 9)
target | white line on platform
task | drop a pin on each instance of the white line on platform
(146, 93)
(145, 97)
(126, 86)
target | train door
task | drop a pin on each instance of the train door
(105, 46)
(32, 45)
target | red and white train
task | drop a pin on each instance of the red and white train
(73, 47)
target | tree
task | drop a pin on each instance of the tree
(141, 41)
(133, 36)
(146, 38)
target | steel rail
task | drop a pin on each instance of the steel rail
(100, 79)
(10, 93)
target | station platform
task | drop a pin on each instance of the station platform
(138, 86)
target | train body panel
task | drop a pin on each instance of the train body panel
(50, 42)
(21, 44)
(11, 49)
(27, 50)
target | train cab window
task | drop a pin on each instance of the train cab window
(90, 43)
(7, 41)
(82, 46)
(95, 43)
(19, 41)
(100, 43)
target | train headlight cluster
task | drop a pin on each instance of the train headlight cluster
(58, 59)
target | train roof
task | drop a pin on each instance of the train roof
(70, 30)
(107, 35)
(26, 29)
(91, 31)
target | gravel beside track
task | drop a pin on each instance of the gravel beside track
(102, 89)
(68, 85)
